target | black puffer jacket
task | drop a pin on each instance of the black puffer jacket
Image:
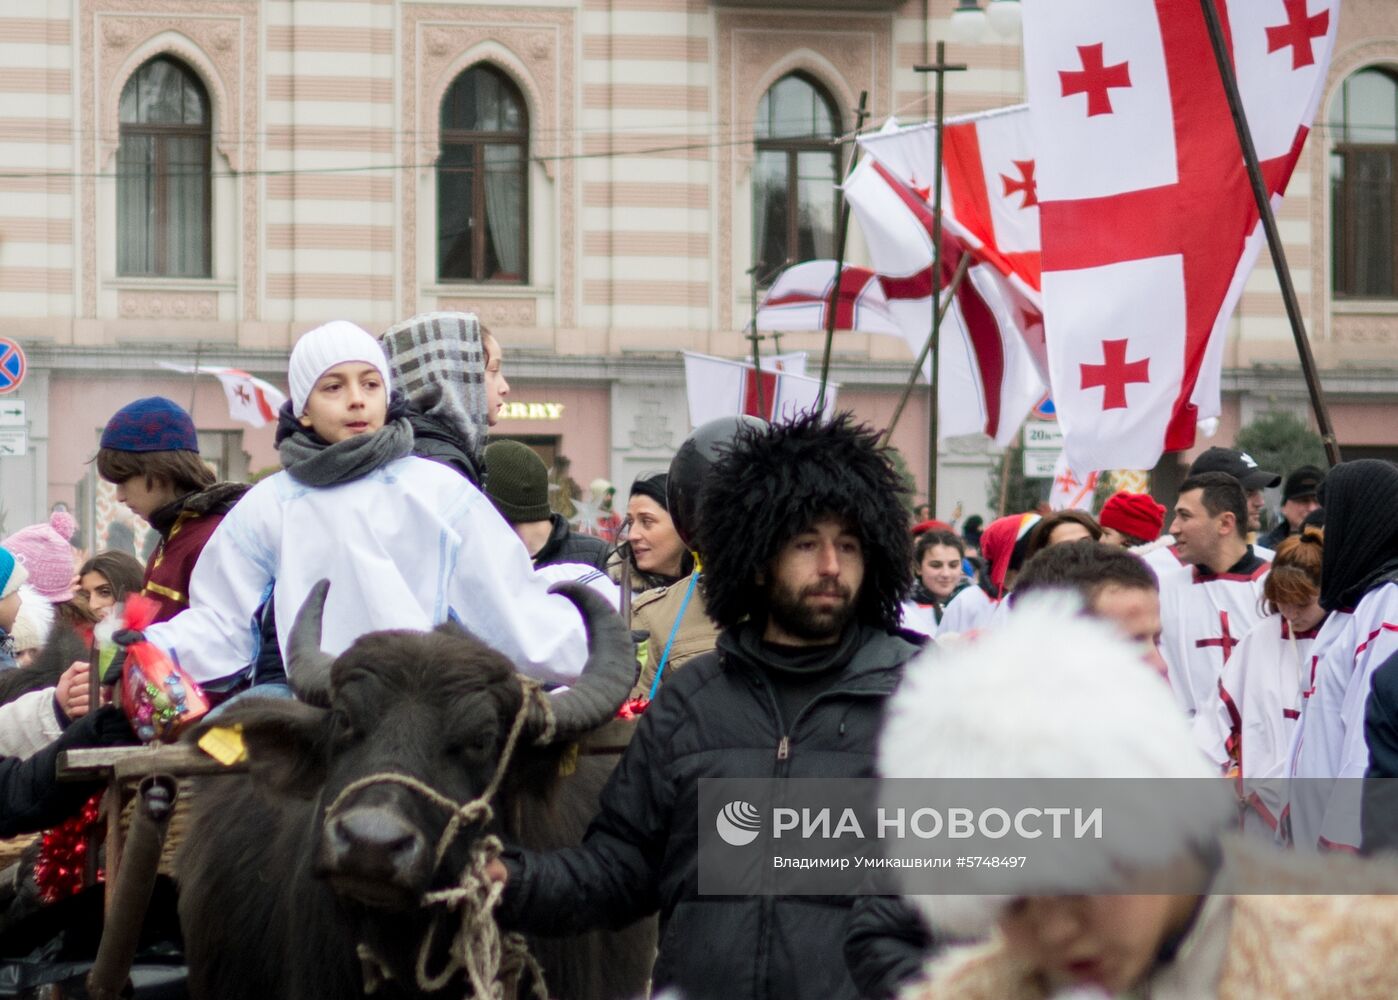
(886, 946)
(717, 718)
(568, 546)
(31, 796)
(435, 440)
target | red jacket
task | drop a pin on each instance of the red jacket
(185, 527)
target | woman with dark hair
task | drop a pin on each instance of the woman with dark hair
(657, 554)
(1062, 527)
(937, 578)
(1263, 684)
(106, 579)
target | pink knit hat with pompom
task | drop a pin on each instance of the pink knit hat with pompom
(47, 556)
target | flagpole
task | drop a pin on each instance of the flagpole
(841, 234)
(941, 68)
(757, 265)
(948, 294)
(1269, 226)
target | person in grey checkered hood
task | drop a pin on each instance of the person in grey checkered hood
(448, 365)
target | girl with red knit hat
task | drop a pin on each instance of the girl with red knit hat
(1131, 519)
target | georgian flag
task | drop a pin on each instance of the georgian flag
(988, 375)
(250, 399)
(799, 299)
(1148, 224)
(990, 192)
(718, 387)
(1071, 491)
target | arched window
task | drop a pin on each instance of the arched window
(1364, 185)
(163, 184)
(794, 174)
(482, 180)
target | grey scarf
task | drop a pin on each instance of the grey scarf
(438, 360)
(315, 462)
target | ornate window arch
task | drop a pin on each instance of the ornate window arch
(483, 179)
(795, 170)
(1364, 185)
(164, 172)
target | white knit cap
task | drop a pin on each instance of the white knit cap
(1050, 694)
(323, 348)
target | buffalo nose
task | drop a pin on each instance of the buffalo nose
(377, 843)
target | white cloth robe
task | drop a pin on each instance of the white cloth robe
(409, 546)
(1258, 708)
(968, 610)
(1197, 609)
(1332, 742)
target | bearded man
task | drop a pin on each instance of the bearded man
(806, 560)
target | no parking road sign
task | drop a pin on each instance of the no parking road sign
(12, 366)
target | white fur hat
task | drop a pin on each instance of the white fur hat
(33, 622)
(1051, 694)
(323, 348)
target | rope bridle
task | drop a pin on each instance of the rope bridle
(487, 957)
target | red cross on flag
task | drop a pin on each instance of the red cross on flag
(250, 399)
(1071, 491)
(718, 387)
(1148, 224)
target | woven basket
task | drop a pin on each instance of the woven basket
(174, 834)
(10, 850)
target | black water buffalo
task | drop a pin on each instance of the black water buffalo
(282, 898)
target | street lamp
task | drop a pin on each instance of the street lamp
(969, 23)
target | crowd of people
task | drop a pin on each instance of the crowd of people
(791, 622)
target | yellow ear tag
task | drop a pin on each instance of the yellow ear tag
(225, 745)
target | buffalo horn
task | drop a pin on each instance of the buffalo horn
(607, 676)
(308, 666)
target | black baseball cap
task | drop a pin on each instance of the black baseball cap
(1303, 482)
(1238, 464)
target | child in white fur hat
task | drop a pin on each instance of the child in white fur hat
(405, 542)
(1051, 695)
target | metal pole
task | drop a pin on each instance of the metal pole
(194, 379)
(757, 265)
(1269, 226)
(948, 294)
(841, 233)
(941, 68)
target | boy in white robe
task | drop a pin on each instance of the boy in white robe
(1250, 726)
(1360, 571)
(405, 542)
(1206, 610)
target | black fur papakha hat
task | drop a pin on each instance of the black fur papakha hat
(776, 481)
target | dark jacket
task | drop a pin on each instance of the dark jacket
(1276, 536)
(31, 796)
(568, 546)
(1379, 814)
(435, 440)
(717, 718)
(886, 946)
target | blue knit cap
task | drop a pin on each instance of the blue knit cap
(151, 424)
(12, 574)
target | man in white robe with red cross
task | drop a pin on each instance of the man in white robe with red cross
(1207, 609)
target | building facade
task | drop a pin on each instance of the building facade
(187, 180)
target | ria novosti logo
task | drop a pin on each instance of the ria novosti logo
(739, 823)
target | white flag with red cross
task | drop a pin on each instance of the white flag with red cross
(1071, 491)
(799, 299)
(990, 194)
(250, 399)
(1148, 224)
(988, 377)
(718, 387)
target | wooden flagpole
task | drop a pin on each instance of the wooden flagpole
(948, 294)
(1269, 226)
(841, 234)
(941, 68)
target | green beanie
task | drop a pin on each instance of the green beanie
(517, 481)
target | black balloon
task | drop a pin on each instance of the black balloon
(691, 465)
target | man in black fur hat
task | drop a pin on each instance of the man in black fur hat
(806, 562)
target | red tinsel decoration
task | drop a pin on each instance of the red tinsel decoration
(58, 871)
(633, 708)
